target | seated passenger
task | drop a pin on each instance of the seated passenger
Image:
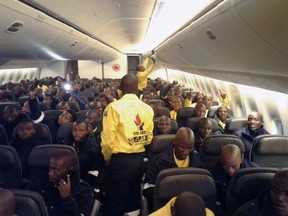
(163, 126)
(221, 118)
(63, 106)
(231, 160)
(10, 119)
(62, 190)
(24, 141)
(94, 118)
(185, 204)
(207, 101)
(198, 98)
(181, 154)
(271, 202)
(176, 105)
(26, 107)
(7, 203)
(188, 100)
(49, 100)
(96, 105)
(199, 110)
(253, 129)
(89, 154)
(204, 130)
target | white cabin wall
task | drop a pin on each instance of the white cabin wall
(89, 69)
(243, 99)
(55, 69)
(15, 75)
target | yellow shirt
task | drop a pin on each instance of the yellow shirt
(181, 163)
(142, 76)
(166, 210)
(127, 126)
(173, 114)
(187, 103)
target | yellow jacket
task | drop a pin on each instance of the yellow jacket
(142, 76)
(127, 126)
(166, 210)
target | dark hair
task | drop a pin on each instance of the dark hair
(73, 114)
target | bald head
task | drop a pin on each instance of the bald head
(184, 143)
(255, 121)
(129, 84)
(188, 203)
(231, 158)
(7, 203)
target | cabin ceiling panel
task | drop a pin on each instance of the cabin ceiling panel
(43, 37)
(105, 20)
(235, 47)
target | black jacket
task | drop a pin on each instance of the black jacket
(165, 160)
(79, 203)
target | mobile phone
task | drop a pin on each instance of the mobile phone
(69, 172)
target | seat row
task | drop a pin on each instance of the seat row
(267, 150)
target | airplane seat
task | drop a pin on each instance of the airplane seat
(43, 106)
(215, 103)
(8, 94)
(173, 181)
(211, 148)
(270, 151)
(74, 106)
(23, 99)
(64, 131)
(81, 114)
(10, 168)
(174, 125)
(42, 133)
(183, 115)
(24, 114)
(87, 94)
(13, 103)
(94, 91)
(159, 144)
(29, 203)
(53, 114)
(83, 99)
(234, 123)
(3, 136)
(192, 123)
(38, 161)
(212, 112)
(163, 111)
(246, 185)
(156, 102)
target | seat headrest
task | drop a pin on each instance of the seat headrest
(233, 124)
(271, 145)
(246, 184)
(40, 156)
(163, 111)
(160, 143)
(185, 112)
(212, 145)
(8, 157)
(29, 203)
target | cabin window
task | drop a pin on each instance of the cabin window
(276, 126)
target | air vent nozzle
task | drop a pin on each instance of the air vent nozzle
(14, 27)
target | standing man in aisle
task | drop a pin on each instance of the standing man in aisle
(127, 127)
(143, 72)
